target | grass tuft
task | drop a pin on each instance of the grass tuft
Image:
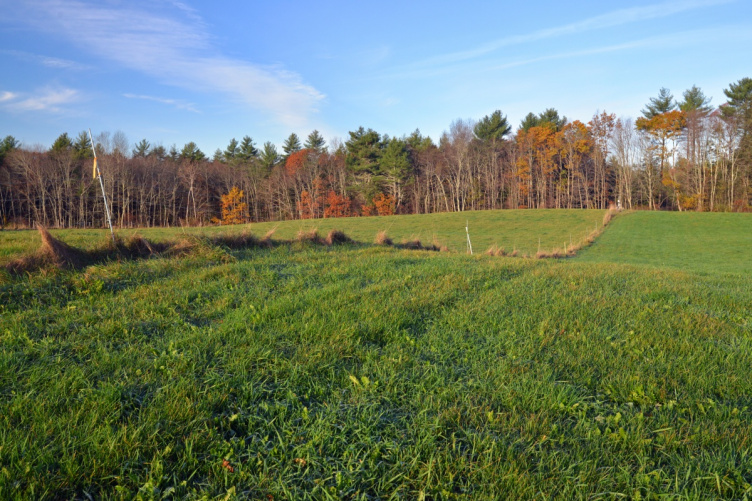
(383, 239)
(337, 237)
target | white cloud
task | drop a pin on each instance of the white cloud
(48, 99)
(177, 103)
(175, 51)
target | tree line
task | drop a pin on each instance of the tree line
(678, 155)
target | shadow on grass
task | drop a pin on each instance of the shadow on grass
(56, 254)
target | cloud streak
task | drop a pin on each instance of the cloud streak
(50, 62)
(177, 103)
(176, 51)
(608, 20)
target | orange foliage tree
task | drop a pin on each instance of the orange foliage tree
(384, 204)
(298, 160)
(336, 205)
(233, 207)
(308, 206)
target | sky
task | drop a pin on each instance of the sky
(177, 71)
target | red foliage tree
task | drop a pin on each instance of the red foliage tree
(337, 206)
(384, 204)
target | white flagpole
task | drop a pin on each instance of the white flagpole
(104, 195)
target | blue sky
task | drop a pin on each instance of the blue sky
(173, 72)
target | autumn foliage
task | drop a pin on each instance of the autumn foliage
(384, 204)
(233, 207)
(308, 206)
(337, 205)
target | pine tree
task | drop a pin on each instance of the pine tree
(695, 100)
(291, 145)
(269, 156)
(315, 142)
(247, 149)
(493, 127)
(231, 152)
(141, 149)
(661, 104)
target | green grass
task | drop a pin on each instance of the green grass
(703, 242)
(374, 373)
(520, 229)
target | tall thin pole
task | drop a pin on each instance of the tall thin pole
(467, 231)
(98, 175)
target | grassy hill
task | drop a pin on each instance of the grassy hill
(520, 229)
(368, 373)
(704, 242)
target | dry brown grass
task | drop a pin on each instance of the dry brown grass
(244, 240)
(337, 237)
(495, 250)
(383, 239)
(311, 236)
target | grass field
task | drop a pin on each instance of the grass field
(520, 229)
(703, 242)
(374, 373)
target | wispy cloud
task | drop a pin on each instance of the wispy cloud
(177, 103)
(52, 100)
(50, 62)
(608, 20)
(168, 41)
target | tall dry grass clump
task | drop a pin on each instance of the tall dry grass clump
(337, 237)
(266, 240)
(383, 239)
(53, 253)
(242, 240)
(310, 236)
(495, 250)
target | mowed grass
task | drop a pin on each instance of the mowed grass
(523, 230)
(703, 242)
(374, 373)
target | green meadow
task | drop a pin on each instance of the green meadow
(696, 241)
(367, 372)
(524, 230)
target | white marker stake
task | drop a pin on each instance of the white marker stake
(467, 231)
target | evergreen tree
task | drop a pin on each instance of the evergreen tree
(158, 152)
(364, 151)
(695, 100)
(291, 145)
(269, 156)
(739, 99)
(141, 149)
(62, 143)
(82, 146)
(658, 105)
(418, 142)
(493, 127)
(219, 156)
(551, 117)
(6, 146)
(174, 154)
(231, 152)
(531, 120)
(192, 153)
(739, 106)
(315, 142)
(247, 149)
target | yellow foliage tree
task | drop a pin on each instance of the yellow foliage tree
(233, 207)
